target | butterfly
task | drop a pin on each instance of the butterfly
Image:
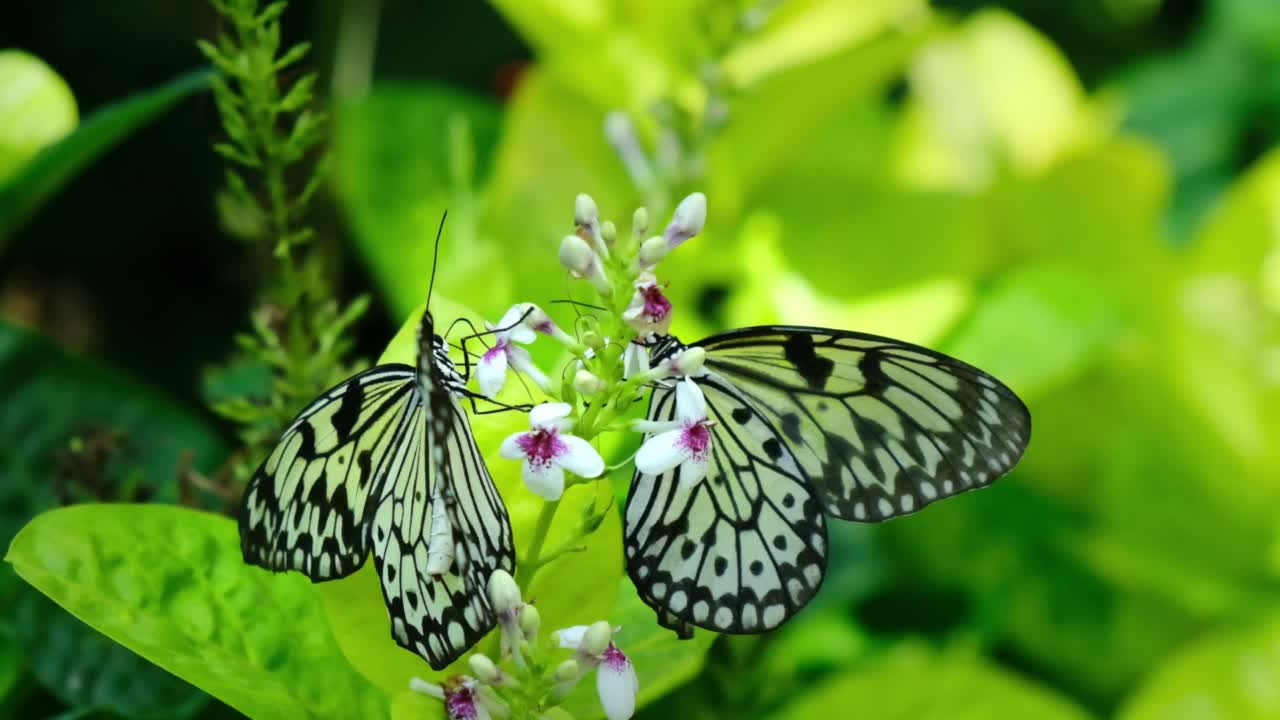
(806, 423)
(386, 462)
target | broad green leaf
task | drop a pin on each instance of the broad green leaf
(1059, 321)
(1231, 673)
(23, 193)
(1223, 320)
(169, 584)
(915, 683)
(86, 669)
(405, 154)
(992, 92)
(577, 589)
(36, 108)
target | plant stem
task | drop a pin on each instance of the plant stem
(528, 568)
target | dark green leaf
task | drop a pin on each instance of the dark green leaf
(23, 193)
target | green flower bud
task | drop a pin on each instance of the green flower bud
(484, 669)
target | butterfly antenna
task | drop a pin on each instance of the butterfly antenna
(435, 258)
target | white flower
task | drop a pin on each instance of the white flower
(548, 451)
(616, 680)
(685, 442)
(491, 371)
(650, 310)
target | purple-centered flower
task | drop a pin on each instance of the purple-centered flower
(649, 310)
(616, 680)
(683, 442)
(491, 370)
(547, 451)
(461, 702)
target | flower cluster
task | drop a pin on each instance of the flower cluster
(492, 691)
(609, 365)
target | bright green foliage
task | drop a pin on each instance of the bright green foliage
(911, 682)
(43, 175)
(1232, 673)
(36, 109)
(169, 584)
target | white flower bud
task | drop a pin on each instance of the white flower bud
(577, 255)
(689, 361)
(568, 671)
(530, 621)
(609, 232)
(587, 383)
(503, 592)
(585, 212)
(652, 251)
(596, 639)
(484, 669)
(689, 217)
(640, 222)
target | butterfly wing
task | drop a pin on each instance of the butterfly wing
(308, 506)
(738, 552)
(881, 428)
(809, 422)
(441, 529)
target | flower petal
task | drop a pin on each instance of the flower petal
(571, 637)
(635, 359)
(511, 449)
(548, 413)
(691, 406)
(662, 452)
(580, 458)
(693, 470)
(617, 684)
(491, 370)
(545, 479)
(521, 362)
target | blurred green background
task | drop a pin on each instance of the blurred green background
(1077, 197)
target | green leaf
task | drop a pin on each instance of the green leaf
(577, 589)
(1060, 320)
(10, 662)
(46, 173)
(36, 109)
(169, 584)
(1231, 673)
(393, 154)
(912, 682)
(86, 669)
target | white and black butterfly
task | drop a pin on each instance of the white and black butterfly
(809, 423)
(386, 462)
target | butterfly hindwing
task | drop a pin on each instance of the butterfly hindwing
(741, 550)
(309, 505)
(808, 422)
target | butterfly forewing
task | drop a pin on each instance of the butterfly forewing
(808, 422)
(308, 507)
(880, 427)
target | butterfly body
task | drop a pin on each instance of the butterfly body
(808, 423)
(385, 464)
